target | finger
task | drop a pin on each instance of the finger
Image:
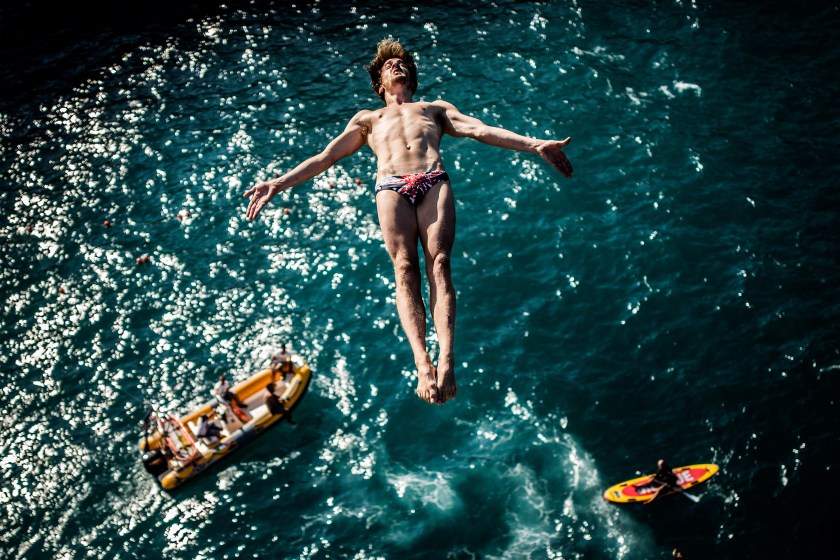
(560, 163)
(566, 141)
(565, 166)
(250, 192)
(566, 169)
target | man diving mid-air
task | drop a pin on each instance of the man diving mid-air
(414, 199)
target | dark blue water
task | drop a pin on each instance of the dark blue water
(677, 298)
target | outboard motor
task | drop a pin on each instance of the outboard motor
(155, 462)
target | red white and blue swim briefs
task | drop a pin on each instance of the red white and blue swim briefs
(414, 186)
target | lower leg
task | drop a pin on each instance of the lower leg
(412, 314)
(442, 298)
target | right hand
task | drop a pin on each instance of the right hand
(260, 195)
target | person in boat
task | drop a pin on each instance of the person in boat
(275, 404)
(281, 362)
(414, 198)
(207, 429)
(664, 478)
(223, 393)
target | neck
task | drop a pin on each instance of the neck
(398, 94)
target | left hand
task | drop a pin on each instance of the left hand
(552, 152)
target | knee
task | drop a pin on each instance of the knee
(405, 269)
(441, 266)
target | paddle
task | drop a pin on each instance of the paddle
(691, 497)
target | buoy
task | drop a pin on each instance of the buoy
(28, 229)
(143, 259)
(180, 217)
(358, 181)
(61, 289)
(107, 223)
(332, 185)
(287, 211)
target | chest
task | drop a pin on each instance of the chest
(406, 121)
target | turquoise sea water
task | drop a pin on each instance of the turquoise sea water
(677, 298)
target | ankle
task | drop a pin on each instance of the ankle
(446, 360)
(422, 360)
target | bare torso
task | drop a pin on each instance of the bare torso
(405, 137)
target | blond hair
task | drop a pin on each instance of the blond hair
(386, 50)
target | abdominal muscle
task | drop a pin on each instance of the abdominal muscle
(405, 140)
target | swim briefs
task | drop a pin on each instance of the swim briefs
(414, 186)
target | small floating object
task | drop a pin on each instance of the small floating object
(287, 211)
(171, 448)
(107, 223)
(61, 289)
(358, 181)
(332, 185)
(28, 229)
(143, 259)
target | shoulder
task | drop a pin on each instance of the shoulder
(445, 105)
(362, 120)
(446, 111)
(362, 115)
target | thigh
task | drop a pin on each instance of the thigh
(436, 221)
(398, 222)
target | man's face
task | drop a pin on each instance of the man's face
(394, 71)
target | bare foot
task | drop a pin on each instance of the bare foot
(446, 383)
(427, 382)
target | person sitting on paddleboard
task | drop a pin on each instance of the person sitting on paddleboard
(664, 478)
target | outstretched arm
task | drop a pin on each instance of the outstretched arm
(459, 125)
(345, 144)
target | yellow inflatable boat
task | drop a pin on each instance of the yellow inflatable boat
(176, 449)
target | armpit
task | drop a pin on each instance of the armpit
(361, 121)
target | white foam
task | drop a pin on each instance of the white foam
(424, 489)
